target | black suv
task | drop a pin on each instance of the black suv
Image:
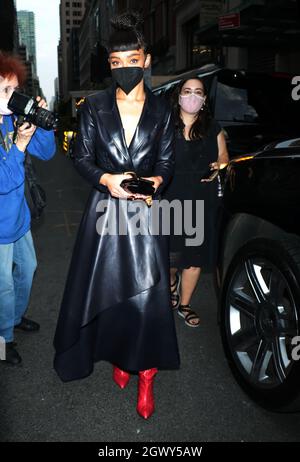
(253, 108)
(259, 274)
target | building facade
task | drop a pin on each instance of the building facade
(32, 84)
(257, 35)
(261, 35)
(8, 29)
(170, 29)
(26, 27)
(27, 51)
(93, 37)
(71, 14)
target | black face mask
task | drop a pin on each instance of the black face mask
(127, 77)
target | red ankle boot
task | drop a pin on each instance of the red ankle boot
(120, 377)
(145, 404)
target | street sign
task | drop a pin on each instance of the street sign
(229, 21)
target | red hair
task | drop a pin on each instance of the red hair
(11, 65)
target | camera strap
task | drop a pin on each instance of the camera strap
(14, 122)
(15, 128)
(5, 143)
(2, 140)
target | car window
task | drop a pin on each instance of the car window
(295, 143)
(248, 97)
(232, 104)
(159, 92)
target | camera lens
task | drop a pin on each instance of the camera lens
(44, 119)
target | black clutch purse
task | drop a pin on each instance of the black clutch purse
(138, 185)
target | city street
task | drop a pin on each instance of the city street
(200, 402)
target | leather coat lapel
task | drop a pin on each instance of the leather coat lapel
(110, 117)
(146, 125)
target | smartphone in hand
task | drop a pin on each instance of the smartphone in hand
(209, 175)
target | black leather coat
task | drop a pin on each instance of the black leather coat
(116, 304)
(101, 145)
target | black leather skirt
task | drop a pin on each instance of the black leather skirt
(116, 305)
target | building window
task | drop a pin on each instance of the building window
(68, 30)
(68, 22)
(67, 4)
(67, 13)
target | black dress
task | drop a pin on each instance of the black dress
(116, 305)
(192, 159)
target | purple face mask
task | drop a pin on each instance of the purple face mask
(191, 103)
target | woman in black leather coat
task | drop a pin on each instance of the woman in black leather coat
(116, 305)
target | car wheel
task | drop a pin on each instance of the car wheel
(260, 318)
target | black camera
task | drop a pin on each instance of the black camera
(29, 111)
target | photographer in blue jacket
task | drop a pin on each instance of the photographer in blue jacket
(17, 254)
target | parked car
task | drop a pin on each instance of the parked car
(69, 138)
(259, 274)
(69, 142)
(254, 109)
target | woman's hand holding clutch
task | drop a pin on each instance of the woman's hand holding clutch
(157, 180)
(119, 186)
(113, 184)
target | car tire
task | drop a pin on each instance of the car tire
(260, 321)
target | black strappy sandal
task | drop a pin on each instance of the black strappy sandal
(185, 312)
(175, 296)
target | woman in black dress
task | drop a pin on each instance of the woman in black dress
(200, 151)
(116, 305)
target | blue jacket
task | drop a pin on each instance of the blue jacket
(14, 211)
